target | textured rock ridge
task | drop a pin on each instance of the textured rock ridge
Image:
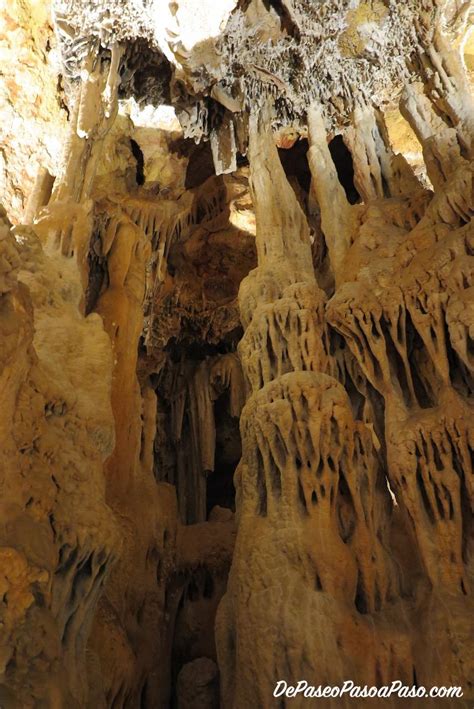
(58, 537)
(236, 370)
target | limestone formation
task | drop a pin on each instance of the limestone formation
(236, 360)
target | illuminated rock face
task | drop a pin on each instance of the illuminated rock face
(33, 113)
(290, 273)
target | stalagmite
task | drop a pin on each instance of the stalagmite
(306, 465)
(236, 353)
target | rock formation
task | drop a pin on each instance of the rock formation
(236, 372)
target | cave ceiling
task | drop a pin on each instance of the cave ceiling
(215, 64)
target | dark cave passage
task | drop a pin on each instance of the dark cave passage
(342, 159)
(138, 155)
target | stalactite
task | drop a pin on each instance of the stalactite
(448, 87)
(95, 109)
(371, 155)
(40, 195)
(335, 210)
(193, 394)
(224, 150)
(440, 146)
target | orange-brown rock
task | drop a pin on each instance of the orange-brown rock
(236, 351)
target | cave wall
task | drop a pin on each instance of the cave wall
(340, 424)
(236, 361)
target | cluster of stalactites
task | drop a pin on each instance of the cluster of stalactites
(193, 395)
(315, 466)
(412, 337)
(410, 326)
(264, 53)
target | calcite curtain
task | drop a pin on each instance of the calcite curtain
(236, 359)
